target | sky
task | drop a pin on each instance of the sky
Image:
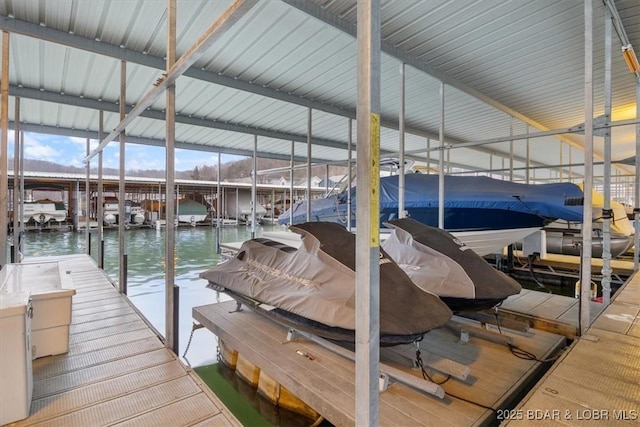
(71, 151)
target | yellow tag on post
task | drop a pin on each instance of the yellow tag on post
(374, 185)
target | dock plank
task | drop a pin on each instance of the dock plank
(81, 397)
(598, 375)
(547, 312)
(328, 382)
(116, 370)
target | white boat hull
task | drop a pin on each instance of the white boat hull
(484, 242)
(191, 218)
(43, 212)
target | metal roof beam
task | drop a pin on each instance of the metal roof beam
(220, 26)
(54, 97)
(113, 51)
(112, 107)
(321, 14)
(60, 37)
(81, 133)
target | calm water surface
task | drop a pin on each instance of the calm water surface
(194, 252)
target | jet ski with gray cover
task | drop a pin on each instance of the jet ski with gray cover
(313, 288)
(439, 263)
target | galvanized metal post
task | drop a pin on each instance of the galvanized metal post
(170, 116)
(254, 180)
(293, 152)
(560, 168)
(218, 206)
(87, 229)
(441, 163)
(428, 156)
(401, 177)
(585, 260)
(99, 198)
(511, 150)
(326, 181)
(17, 173)
(349, 174)
(122, 246)
(636, 209)
(367, 215)
(4, 150)
(309, 142)
(528, 170)
(570, 163)
(22, 237)
(606, 210)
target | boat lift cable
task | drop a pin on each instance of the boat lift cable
(532, 257)
(517, 351)
(425, 374)
(427, 377)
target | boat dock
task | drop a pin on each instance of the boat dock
(597, 378)
(326, 381)
(117, 370)
(546, 311)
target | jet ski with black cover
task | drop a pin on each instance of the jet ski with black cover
(312, 288)
(439, 263)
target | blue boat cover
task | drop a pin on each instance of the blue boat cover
(470, 202)
(545, 200)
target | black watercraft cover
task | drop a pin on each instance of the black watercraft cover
(439, 263)
(317, 282)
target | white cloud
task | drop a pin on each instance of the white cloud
(36, 150)
(80, 141)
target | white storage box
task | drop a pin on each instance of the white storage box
(16, 377)
(51, 290)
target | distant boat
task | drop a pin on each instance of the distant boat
(191, 212)
(312, 288)
(110, 210)
(237, 205)
(133, 211)
(43, 211)
(485, 213)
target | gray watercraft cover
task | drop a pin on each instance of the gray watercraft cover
(317, 282)
(437, 262)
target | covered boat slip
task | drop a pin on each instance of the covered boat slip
(597, 378)
(117, 371)
(326, 381)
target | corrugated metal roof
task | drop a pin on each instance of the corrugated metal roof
(498, 58)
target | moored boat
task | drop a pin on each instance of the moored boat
(496, 210)
(565, 237)
(43, 211)
(312, 288)
(190, 211)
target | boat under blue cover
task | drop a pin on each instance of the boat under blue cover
(470, 203)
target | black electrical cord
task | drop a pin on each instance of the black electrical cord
(517, 351)
(533, 276)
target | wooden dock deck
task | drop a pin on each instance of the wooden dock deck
(327, 383)
(547, 312)
(597, 379)
(117, 370)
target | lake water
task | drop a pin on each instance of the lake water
(194, 251)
